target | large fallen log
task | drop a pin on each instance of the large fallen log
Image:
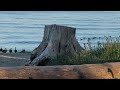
(86, 71)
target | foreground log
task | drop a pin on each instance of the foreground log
(57, 39)
(86, 71)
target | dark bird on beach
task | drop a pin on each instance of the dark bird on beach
(4, 51)
(15, 50)
(1, 49)
(10, 50)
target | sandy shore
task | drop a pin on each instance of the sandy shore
(14, 59)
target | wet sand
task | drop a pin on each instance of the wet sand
(14, 59)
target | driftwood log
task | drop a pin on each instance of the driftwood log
(86, 71)
(57, 39)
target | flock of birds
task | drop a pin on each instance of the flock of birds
(11, 51)
(89, 38)
(99, 39)
(95, 41)
(23, 50)
(105, 37)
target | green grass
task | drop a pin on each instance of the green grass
(103, 52)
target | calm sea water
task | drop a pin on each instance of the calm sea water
(24, 29)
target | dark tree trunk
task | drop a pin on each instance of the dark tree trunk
(57, 39)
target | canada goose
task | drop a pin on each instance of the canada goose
(15, 50)
(4, 51)
(10, 50)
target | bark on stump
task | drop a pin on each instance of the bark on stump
(57, 39)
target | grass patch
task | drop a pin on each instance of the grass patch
(103, 52)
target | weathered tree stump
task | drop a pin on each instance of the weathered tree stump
(57, 39)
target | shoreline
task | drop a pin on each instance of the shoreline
(14, 59)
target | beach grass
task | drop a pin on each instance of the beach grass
(103, 52)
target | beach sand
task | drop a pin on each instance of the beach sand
(14, 59)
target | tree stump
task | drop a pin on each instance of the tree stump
(57, 39)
